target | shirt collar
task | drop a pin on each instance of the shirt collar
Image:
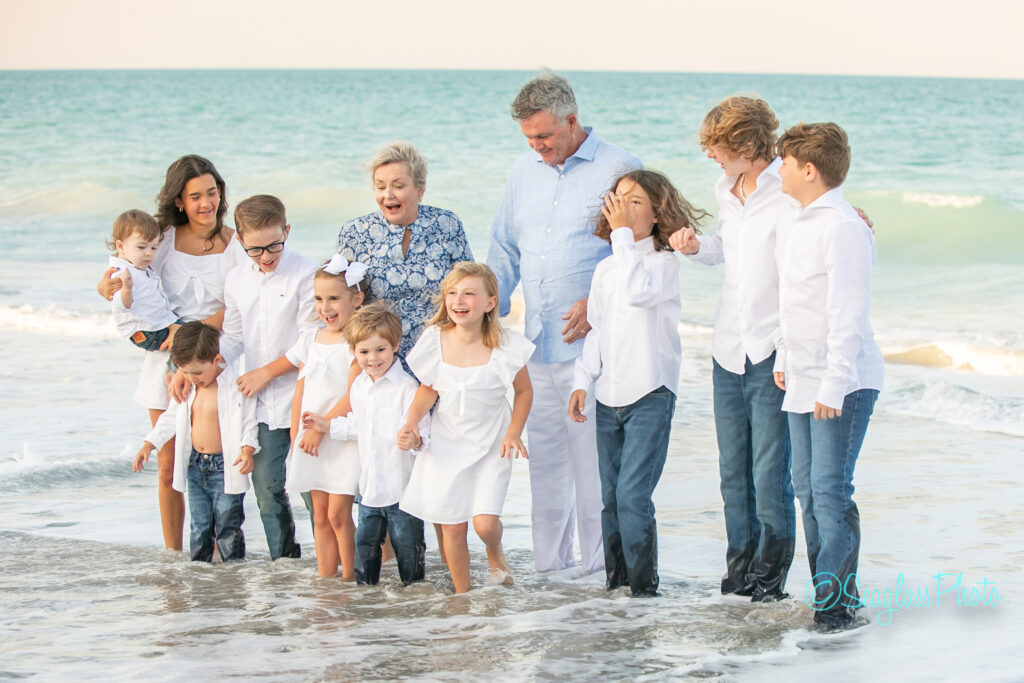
(393, 375)
(830, 199)
(645, 246)
(256, 267)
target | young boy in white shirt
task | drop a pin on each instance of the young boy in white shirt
(215, 440)
(380, 397)
(142, 312)
(268, 303)
(828, 362)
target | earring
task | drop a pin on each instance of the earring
(181, 209)
(488, 316)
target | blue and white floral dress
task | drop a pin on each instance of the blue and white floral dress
(408, 284)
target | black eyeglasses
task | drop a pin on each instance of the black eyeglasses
(273, 248)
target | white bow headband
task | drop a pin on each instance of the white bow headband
(354, 271)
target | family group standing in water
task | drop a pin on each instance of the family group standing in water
(388, 378)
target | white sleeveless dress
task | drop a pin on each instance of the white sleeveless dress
(325, 370)
(462, 473)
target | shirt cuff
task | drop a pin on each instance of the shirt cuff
(343, 428)
(622, 238)
(780, 361)
(831, 395)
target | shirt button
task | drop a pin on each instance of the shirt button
(542, 257)
(556, 202)
(549, 229)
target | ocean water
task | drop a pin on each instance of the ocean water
(86, 590)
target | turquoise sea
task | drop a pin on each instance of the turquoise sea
(87, 592)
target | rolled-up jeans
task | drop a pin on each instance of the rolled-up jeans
(632, 444)
(216, 516)
(824, 455)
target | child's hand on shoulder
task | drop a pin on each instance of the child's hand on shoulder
(316, 423)
(310, 442)
(409, 437)
(245, 460)
(512, 446)
(576, 402)
(142, 456)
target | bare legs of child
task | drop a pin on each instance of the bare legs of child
(489, 529)
(456, 550)
(333, 534)
(172, 503)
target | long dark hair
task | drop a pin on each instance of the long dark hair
(178, 174)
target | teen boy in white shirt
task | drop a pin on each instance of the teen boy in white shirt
(268, 304)
(828, 362)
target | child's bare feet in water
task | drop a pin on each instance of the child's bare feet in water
(501, 573)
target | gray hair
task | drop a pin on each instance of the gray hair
(548, 92)
(402, 152)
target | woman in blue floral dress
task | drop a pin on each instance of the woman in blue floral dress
(409, 247)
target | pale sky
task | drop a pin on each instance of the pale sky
(977, 38)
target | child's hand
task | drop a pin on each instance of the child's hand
(171, 330)
(310, 442)
(409, 437)
(252, 383)
(142, 456)
(684, 241)
(780, 380)
(109, 285)
(178, 386)
(126, 288)
(618, 210)
(316, 423)
(245, 460)
(576, 402)
(512, 446)
(824, 412)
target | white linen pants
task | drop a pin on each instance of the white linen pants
(565, 485)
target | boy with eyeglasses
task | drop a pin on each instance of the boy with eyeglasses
(268, 304)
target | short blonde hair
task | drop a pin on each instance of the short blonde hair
(375, 318)
(492, 330)
(131, 222)
(402, 153)
(823, 144)
(742, 126)
(259, 211)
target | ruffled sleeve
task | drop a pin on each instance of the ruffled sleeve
(510, 357)
(299, 352)
(425, 356)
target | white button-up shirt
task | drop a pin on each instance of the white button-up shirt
(150, 310)
(827, 346)
(747, 320)
(634, 345)
(379, 410)
(263, 317)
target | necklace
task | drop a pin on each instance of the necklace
(743, 195)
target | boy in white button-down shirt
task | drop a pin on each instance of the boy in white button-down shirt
(268, 303)
(739, 133)
(631, 362)
(380, 397)
(828, 362)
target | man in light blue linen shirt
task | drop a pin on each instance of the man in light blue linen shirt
(542, 237)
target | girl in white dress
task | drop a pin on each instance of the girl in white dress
(328, 469)
(478, 371)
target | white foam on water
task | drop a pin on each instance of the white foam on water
(939, 200)
(52, 319)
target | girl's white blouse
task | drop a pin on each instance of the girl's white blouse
(195, 284)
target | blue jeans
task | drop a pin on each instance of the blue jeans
(216, 516)
(754, 468)
(406, 538)
(151, 341)
(824, 455)
(268, 485)
(632, 443)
